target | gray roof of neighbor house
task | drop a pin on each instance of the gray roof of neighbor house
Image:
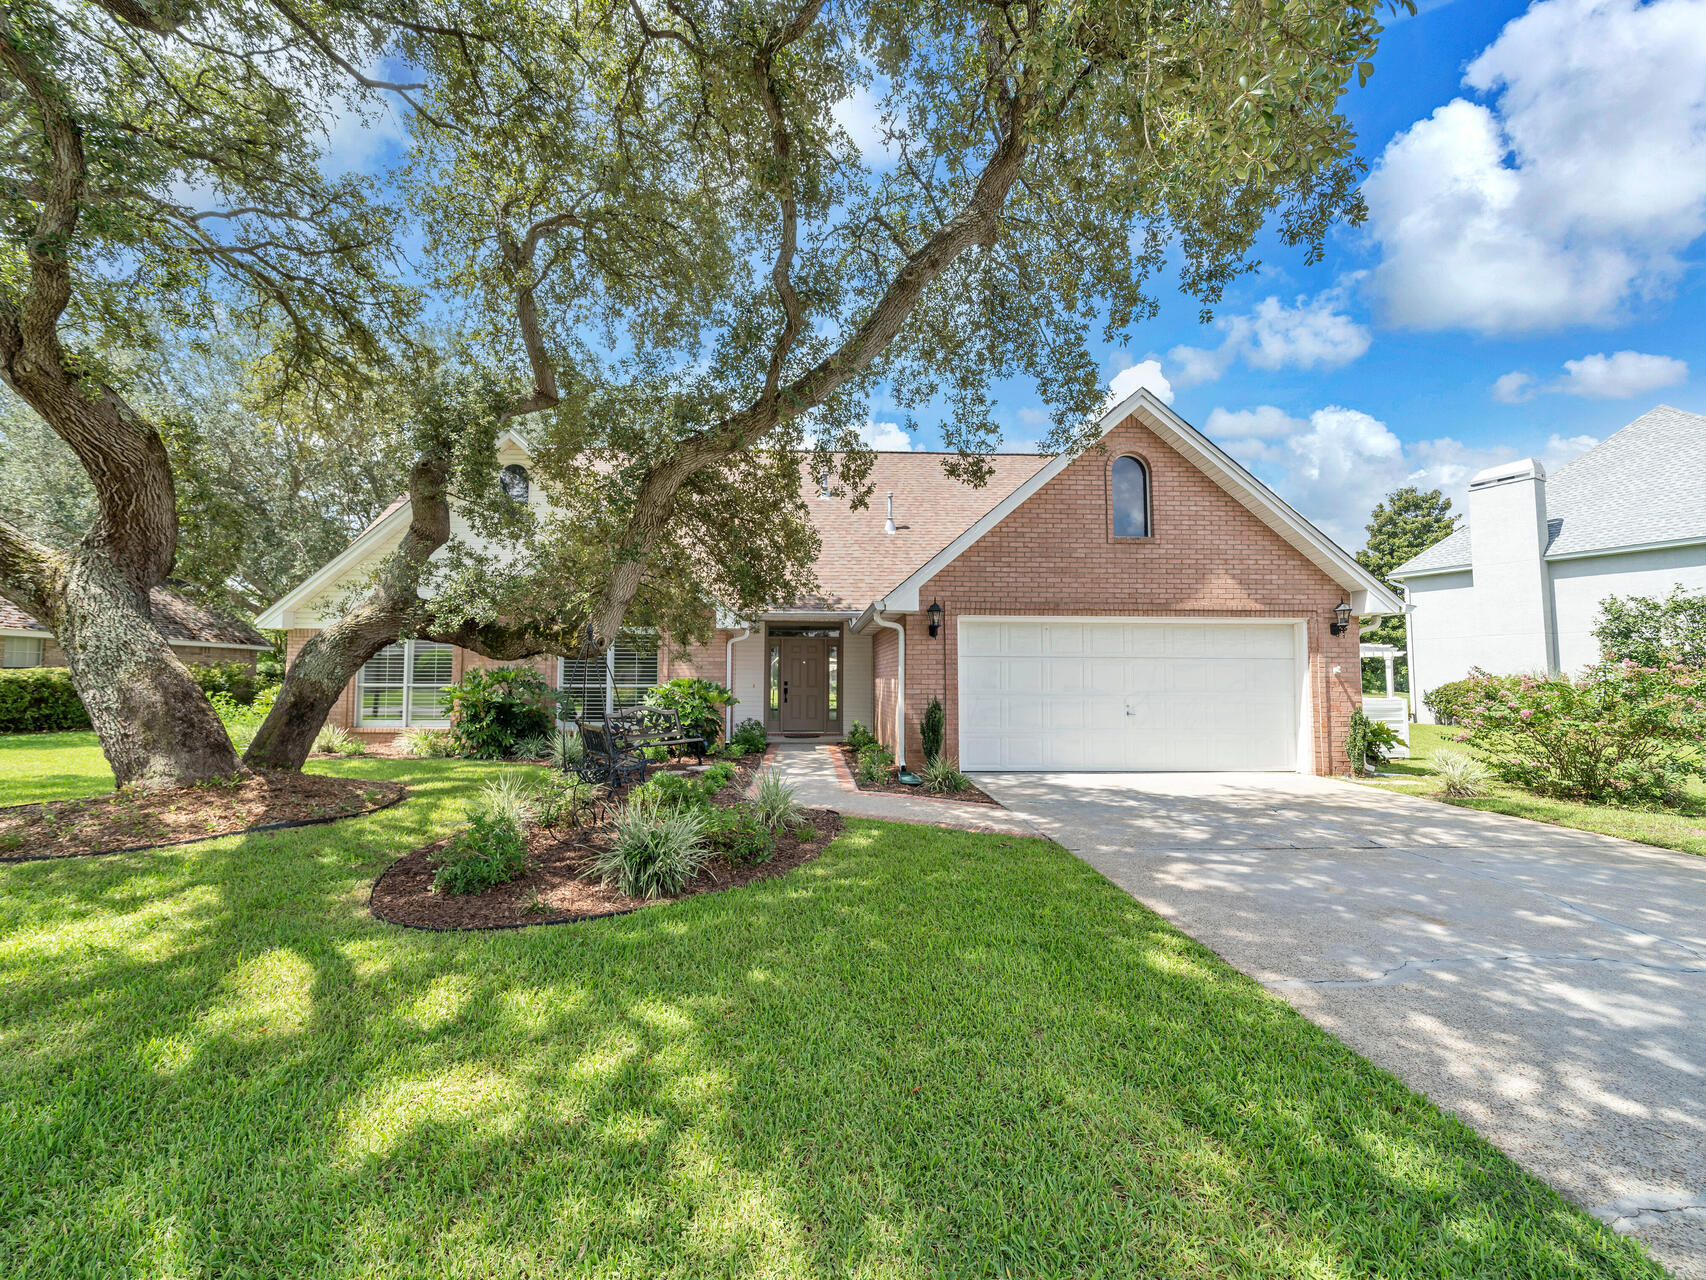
(180, 621)
(859, 561)
(1644, 485)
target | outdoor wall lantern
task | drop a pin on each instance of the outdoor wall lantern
(1341, 618)
(935, 612)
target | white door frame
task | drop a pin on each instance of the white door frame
(1301, 661)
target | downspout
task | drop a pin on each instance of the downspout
(899, 689)
(729, 679)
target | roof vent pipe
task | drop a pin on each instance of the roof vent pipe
(888, 525)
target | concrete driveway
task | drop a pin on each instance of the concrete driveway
(1548, 986)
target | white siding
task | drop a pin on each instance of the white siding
(857, 688)
(1578, 587)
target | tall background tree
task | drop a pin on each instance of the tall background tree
(163, 159)
(1402, 526)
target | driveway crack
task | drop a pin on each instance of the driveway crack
(1627, 1214)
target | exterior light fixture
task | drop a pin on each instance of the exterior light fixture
(935, 612)
(1341, 618)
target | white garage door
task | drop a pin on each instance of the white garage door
(1117, 694)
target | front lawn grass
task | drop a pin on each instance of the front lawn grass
(926, 1053)
(1683, 828)
(51, 766)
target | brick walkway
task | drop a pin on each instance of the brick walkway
(821, 781)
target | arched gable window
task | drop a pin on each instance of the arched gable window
(1130, 498)
(515, 482)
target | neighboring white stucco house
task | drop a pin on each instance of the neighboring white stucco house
(1518, 587)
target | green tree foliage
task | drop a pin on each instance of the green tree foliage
(1651, 631)
(660, 217)
(1402, 526)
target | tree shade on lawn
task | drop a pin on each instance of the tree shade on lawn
(927, 1052)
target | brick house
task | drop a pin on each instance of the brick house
(1145, 605)
(195, 635)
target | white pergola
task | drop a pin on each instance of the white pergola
(1389, 653)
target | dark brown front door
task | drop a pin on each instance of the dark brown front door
(805, 685)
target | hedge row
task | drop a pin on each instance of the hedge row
(38, 699)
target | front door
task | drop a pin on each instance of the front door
(805, 685)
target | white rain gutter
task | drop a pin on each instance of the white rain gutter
(899, 689)
(729, 678)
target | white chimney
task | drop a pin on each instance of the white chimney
(1513, 592)
(888, 525)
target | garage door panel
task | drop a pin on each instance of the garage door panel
(1123, 694)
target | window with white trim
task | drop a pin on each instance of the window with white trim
(620, 677)
(403, 686)
(22, 651)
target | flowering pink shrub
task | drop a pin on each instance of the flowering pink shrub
(1618, 732)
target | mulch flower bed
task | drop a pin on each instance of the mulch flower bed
(555, 890)
(124, 821)
(890, 786)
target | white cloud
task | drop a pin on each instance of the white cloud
(1620, 375)
(1598, 377)
(1310, 333)
(1033, 417)
(1513, 387)
(888, 436)
(1142, 373)
(1575, 191)
(1264, 422)
(1336, 464)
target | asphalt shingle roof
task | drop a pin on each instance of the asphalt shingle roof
(1646, 483)
(860, 563)
(179, 621)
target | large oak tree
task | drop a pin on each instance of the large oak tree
(160, 159)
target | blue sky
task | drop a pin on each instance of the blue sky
(1538, 194)
(1528, 280)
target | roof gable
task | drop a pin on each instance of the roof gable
(1369, 597)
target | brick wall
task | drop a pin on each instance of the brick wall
(1207, 556)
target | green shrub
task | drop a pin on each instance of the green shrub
(875, 761)
(535, 748)
(1619, 733)
(776, 802)
(39, 700)
(236, 680)
(750, 738)
(1447, 701)
(859, 737)
(334, 739)
(718, 775)
(495, 708)
(567, 749)
(739, 834)
(933, 728)
(699, 704)
(490, 852)
(657, 850)
(674, 790)
(426, 744)
(512, 796)
(942, 776)
(1653, 631)
(1461, 774)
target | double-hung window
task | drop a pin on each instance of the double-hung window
(21, 651)
(403, 685)
(620, 677)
